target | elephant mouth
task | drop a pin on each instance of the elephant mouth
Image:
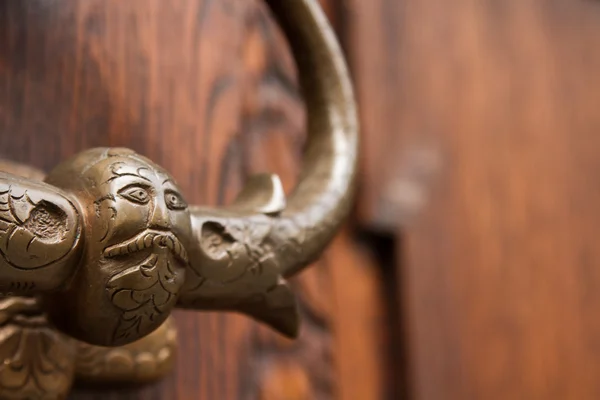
(159, 241)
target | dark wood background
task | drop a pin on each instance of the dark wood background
(482, 145)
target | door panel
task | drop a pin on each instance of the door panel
(482, 160)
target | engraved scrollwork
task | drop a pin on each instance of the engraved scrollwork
(36, 361)
(236, 269)
(39, 361)
(39, 236)
(147, 290)
(137, 232)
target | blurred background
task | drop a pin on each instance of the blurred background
(470, 268)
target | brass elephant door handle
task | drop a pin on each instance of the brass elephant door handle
(110, 247)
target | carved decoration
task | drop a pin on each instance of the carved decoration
(137, 250)
(36, 361)
(39, 236)
(148, 359)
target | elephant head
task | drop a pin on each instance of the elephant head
(111, 245)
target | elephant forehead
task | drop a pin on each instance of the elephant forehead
(113, 168)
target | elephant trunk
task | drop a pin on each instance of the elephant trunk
(241, 255)
(322, 199)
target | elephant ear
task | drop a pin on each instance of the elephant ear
(40, 235)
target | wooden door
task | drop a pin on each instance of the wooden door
(477, 277)
(208, 90)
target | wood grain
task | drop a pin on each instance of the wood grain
(208, 90)
(482, 158)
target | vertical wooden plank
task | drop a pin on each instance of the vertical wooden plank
(372, 42)
(493, 138)
(361, 323)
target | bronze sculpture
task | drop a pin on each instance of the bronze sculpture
(107, 246)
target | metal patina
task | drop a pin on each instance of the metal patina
(103, 248)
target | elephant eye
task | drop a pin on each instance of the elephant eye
(136, 194)
(174, 200)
